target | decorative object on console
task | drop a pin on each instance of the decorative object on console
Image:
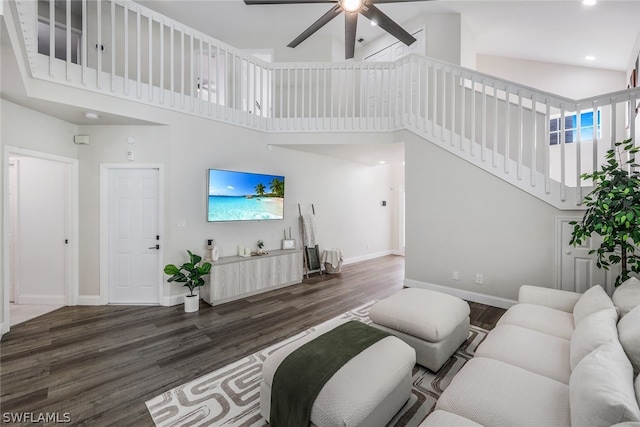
(192, 279)
(612, 211)
(288, 242)
(208, 255)
(260, 245)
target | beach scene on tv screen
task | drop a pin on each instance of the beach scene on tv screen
(241, 196)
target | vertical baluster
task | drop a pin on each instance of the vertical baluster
(138, 55)
(495, 126)
(295, 98)
(376, 98)
(507, 129)
(310, 120)
(483, 136)
(366, 94)
(150, 59)
(353, 96)
(302, 98)
(405, 96)
(281, 96)
(192, 85)
(201, 74)
(99, 45)
(434, 101)
(288, 96)
(418, 93)
(219, 65)
(578, 144)
(52, 37)
(172, 69)
(534, 140)
(325, 96)
(113, 46)
(473, 112)
(547, 148)
(182, 68)
(427, 94)
(594, 163)
(520, 135)
(234, 97)
(84, 47)
(317, 96)
(562, 154)
(410, 86)
(68, 37)
(614, 119)
(452, 133)
(331, 98)
(209, 77)
(444, 104)
(463, 113)
(161, 85)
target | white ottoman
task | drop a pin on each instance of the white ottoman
(367, 391)
(433, 323)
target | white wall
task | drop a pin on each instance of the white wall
(564, 80)
(346, 195)
(462, 219)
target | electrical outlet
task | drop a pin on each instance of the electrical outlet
(479, 279)
(456, 275)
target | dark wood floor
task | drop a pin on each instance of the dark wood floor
(100, 364)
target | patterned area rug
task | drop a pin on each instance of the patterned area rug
(230, 396)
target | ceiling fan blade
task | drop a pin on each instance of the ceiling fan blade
(350, 24)
(387, 24)
(252, 2)
(335, 11)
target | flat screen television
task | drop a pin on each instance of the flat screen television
(244, 196)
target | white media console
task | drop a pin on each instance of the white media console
(237, 277)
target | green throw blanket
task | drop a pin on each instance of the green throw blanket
(302, 374)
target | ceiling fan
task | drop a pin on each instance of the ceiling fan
(351, 9)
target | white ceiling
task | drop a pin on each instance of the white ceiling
(553, 31)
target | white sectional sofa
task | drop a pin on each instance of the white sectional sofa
(556, 358)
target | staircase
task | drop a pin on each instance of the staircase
(500, 126)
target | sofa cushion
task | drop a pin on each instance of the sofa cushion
(627, 296)
(594, 299)
(447, 419)
(601, 388)
(540, 318)
(629, 333)
(494, 393)
(594, 330)
(528, 349)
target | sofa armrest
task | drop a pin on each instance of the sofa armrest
(548, 297)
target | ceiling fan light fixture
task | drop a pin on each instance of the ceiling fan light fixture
(351, 5)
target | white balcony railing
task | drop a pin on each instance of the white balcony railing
(122, 49)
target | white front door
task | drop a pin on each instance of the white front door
(578, 269)
(13, 227)
(133, 233)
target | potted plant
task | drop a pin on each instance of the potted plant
(613, 211)
(189, 273)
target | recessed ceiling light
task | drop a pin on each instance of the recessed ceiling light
(589, 2)
(590, 58)
(381, 162)
(91, 115)
(374, 23)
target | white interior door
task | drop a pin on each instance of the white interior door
(578, 269)
(133, 224)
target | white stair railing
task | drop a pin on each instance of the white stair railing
(539, 141)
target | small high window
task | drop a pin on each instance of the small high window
(571, 128)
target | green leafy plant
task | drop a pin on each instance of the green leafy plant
(613, 211)
(194, 272)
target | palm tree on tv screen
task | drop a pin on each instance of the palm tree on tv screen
(277, 187)
(260, 189)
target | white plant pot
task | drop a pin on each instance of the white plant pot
(191, 303)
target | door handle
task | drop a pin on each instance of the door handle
(568, 252)
(155, 247)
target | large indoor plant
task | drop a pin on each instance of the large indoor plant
(190, 273)
(613, 211)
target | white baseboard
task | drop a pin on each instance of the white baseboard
(366, 257)
(172, 300)
(461, 293)
(89, 300)
(42, 299)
